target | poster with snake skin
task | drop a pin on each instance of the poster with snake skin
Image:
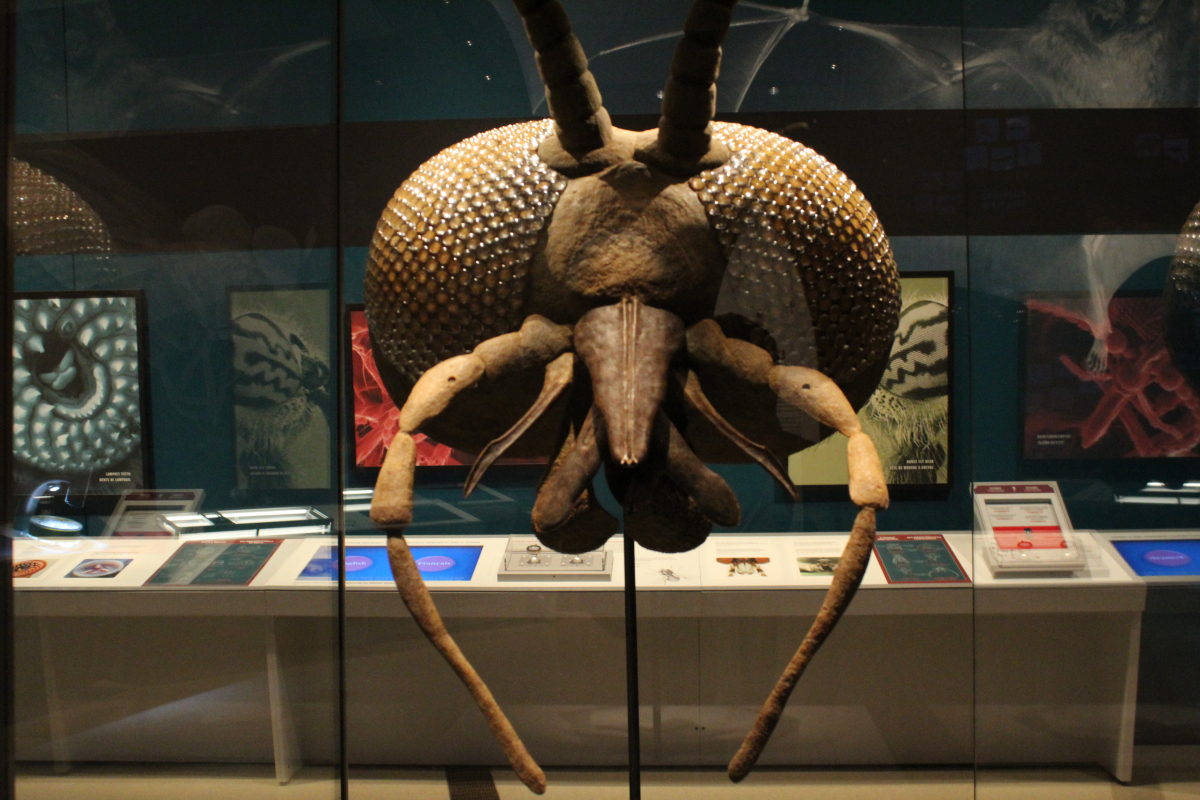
(908, 416)
(282, 347)
(79, 393)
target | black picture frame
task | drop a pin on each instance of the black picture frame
(26, 477)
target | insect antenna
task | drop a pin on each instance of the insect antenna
(690, 96)
(580, 121)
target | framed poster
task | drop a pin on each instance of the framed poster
(282, 349)
(1114, 396)
(80, 392)
(376, 418)
(909, 416)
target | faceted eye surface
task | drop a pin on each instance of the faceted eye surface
(808, 260)
(449, 261)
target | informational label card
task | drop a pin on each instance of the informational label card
(671, 570)
(918, 558)
(138, 512)
(230, 563)
(1025, 524)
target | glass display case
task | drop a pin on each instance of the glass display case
(224, 288)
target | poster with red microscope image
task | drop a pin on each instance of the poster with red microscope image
(376, 418)
(1093, 394)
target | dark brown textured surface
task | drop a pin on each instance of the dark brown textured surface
(451, 257)
(628, 349)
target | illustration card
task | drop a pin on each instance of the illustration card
(666, 570)
(227, 563)
(918, 558)
(818, 556)
(737, 561)
(32, 569)
(99, 568)
(79, 392)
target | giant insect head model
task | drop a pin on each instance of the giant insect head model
(553, 287)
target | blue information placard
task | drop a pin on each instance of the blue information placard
(1160, 557)
(368, 563)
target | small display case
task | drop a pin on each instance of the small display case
(240, 523)
(526, 559)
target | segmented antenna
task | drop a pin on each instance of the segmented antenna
(690, 96)
(580, 121)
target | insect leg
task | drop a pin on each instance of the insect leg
(566, 515)
(420, 605)
(820, 398)
(846, 578)
(559, 374)
(391, 507)
(694, 394)
(538, 342)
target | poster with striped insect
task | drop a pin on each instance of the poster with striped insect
(282, 389)
(908, 416)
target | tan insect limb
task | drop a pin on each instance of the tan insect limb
(694, 394)
(707, 345)
(815, 395)
(392, 503)
(437, 387)
(868, 489)
(820, 398)
(537, 343)
(420, 604)
(846, 578)
(559, 374)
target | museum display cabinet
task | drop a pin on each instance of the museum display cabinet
(223, 287)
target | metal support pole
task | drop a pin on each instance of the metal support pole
(631, 674)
